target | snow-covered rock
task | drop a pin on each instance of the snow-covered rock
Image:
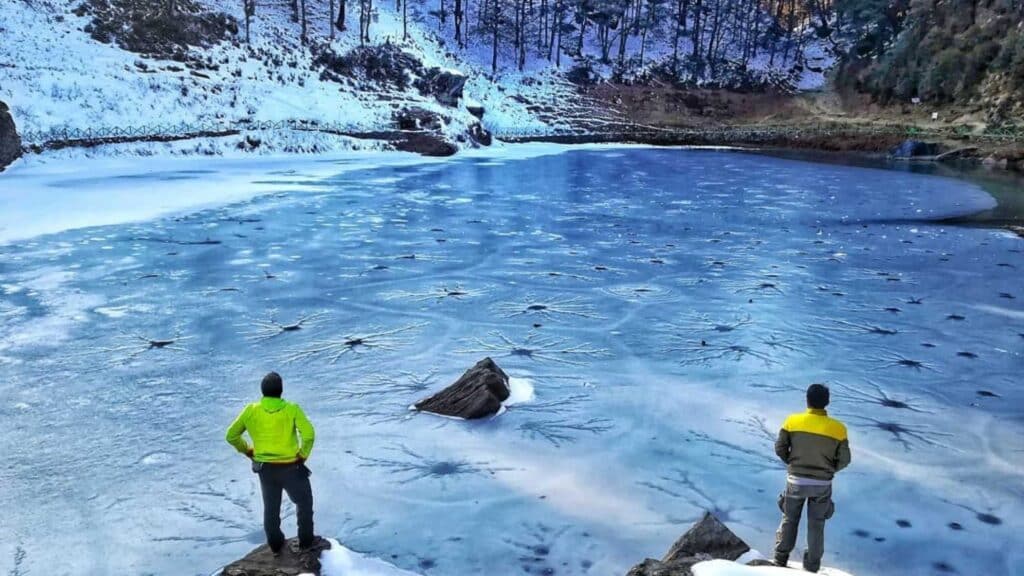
(327, 558)
(709, 548)
(10, 142)
(444, 85)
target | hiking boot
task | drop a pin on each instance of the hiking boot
(808, 567)
(782, 561)
(318, 544)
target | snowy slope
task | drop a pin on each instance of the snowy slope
(55, 76)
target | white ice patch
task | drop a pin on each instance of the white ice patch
(520, 391)
(340, 561)
(727, 568)
(1000, 311)
(112, 311)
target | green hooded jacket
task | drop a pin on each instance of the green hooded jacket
(275, 427)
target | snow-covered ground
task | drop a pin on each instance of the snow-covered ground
(726, 568)
(340, 561)
(55, 76)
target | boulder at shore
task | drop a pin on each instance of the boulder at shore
(476, 394)
(706, 539)
(444, 85)
(291, 562)
(10, 142)
(914, 149)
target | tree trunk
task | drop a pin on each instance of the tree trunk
(302, 7)
(558, 40)
(247, 6)
(494, 37)
(623, 36)
(340, 22)
(330, 19)
(583, 33)
(458, 23)
(695, 54)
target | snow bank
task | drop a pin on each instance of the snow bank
(727, 568)
(521, 391)
(340, 561)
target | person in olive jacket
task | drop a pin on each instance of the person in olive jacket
(814, 447)
(275, 427)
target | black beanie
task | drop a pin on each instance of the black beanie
(272, 385)
(817, 396)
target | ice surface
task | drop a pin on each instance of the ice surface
(128, 346)
(726, 568)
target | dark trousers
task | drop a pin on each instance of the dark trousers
(819, 509)
(293, 479)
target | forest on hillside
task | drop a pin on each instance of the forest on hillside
(937, 51)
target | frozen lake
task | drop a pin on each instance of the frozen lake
(668, 306)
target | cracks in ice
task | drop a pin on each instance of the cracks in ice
(138, 344)
(549, 308)
(680, 485)
(764, 287)
(563, 431)
(559, 406)
(756, 426)
(756, 460)
(704, 322)
(904, 434)
(556, 274)
(270, 328)
(878, 396)
(535, 347)
(204, 242)
(410, 466)
(241, 532)
(894, 360)
(706, 352)
(18, 562)
(535, 550)
(983, 517)
(354, 343)
(441, 292)
(856, 327)
(405, 383)
(695, 339)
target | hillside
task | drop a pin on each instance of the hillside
(74, 69)
(964, 55)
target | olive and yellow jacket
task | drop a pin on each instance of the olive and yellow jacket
(813, 445)
(272, 423)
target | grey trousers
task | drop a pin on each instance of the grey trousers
(819, 509)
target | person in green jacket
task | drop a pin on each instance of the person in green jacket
(814, 447)
(276, 427)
